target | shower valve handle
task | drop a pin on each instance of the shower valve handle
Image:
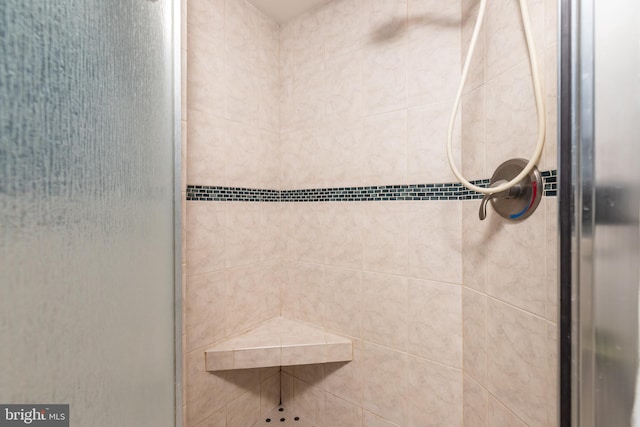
(511, 193)
(519, 201)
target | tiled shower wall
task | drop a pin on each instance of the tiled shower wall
(453, 320)
(233, 259)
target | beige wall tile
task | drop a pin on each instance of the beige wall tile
(385, 154)
(218, 419)
(473, 135)
(476, 75)
(339, 412)
(427, 152)
(308, 41)
(474, 313)
(385, 56)
(242, 234)
(244, 152)
(434, 32)
(270, 393)
(286, 390)
(309, 95)
(475, 236)
(303, 298)
(343, 301)
(343, 234)
(385, 385)
(205, 237)
(244, 411)
(435, 241)
(309, 402)
(207, 393)
(343, 81)
(504, 34)
(385, 310)
(435, 321)
(307, 159)
(309, 225)
(272, 238)
(344, 152)
(386, 237)
(345, 379)
(511, 116)
(312, 374)
(205, 309)
(499, 416)
(249, 299)
(476, 401)
(517, 361)
(372, 420)
(343, 27)
(206, 160)
(516, 272)
(434, 394)
(270, 162)
(206, 88)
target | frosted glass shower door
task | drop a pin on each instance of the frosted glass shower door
(87, 209)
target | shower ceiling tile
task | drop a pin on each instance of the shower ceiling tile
(284, 10)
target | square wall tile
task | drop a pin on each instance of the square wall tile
(345, 380)
(343, 234)
(476, 401)
(435, 241)
(205, 301)
(343, 27)
(474, 313)
(517, 361)
(385, 154)
(474, 138)
(385, 385)
(500, 416)
(434, 32)
(504, 33)
(303, 295)
(244, 411)
(385, 56)
(270, 393)
(435, 321)
(309, 402)
(386, 237)
(343, 82)
(206, 159)
(339, 412)
(372, 420)
(385, 310)
(243, 233)
(435, 394)
(344, 152)
(427, 151)
(206, 249)
(343, 301)
(516, 266)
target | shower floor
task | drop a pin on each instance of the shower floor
(281, 413)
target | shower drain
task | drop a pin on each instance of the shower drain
(280, 416)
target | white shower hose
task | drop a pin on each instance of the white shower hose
(535, 76)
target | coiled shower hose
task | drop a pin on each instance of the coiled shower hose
(535, 76)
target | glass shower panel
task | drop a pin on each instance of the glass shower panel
(86, 208)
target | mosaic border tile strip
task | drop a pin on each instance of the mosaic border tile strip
(448, 191)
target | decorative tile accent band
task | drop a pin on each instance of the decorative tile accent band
(449, 191)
